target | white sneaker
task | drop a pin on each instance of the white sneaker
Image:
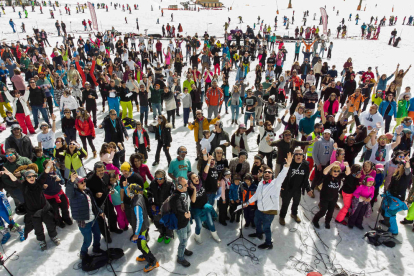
(215, 236)
(197, 238)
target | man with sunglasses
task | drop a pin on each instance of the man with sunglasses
(295, 182)
(14, 160)
(38, 209)
(371, 118)
(20, 142)
(180, 166)
(407, 124)
(160, 189)
(37, 102)
(267, 202)
(321, 154)
(284, 146)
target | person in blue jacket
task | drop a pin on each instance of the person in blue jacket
(82, 206)
(6, 215)
(234, 197)
(12, 24)
(382, 81)
(388, 109)
(140, 225)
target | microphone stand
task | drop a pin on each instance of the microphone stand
(3, 261)
(106, 230)
(241, 221)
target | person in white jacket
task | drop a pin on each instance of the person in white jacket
(68, 101)
(310, 78)
(371, 118)
(267, 202)
(20, 109)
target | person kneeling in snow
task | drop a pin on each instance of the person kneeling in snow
(140, 225)
(84, 211)
(6, 215)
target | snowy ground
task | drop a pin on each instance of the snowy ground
(345, 247)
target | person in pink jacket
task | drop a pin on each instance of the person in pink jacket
(361, 203)
(338, 154)
(167, 56)
(331, 106)
(106, 155)
(368, 169)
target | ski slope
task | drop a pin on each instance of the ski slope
(297, 248)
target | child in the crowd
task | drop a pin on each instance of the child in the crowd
(55, 195)
(6, 215)
(116, 201)
(46, 138)
(141, 140)
(39, 158)
(234, 198)
(361, 203)
(10, 120)
(118, 153)
(206, 141)
(224, 201)
(379, 179)
(247, 191)
(68, 126)
(107, 155)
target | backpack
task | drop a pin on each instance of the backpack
(129, 123)
(91, 263)
(378, 237)
(168, 219)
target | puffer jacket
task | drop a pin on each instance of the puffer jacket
(205, 125)
(165, 136)
(11, 167)
(79, 205)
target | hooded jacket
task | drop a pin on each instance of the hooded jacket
(23, 146)
(79, 205)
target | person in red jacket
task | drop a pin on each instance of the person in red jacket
(368, 75)
(141, 140)
(158, 47)
(89, 75)
(214, 99)
(84, 126)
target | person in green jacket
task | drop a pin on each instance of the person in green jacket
(73, 159)
(39, 158)
(24, 62)
(155, 97)
(188, 83)
(402, 109)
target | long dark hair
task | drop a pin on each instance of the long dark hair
(163, 123)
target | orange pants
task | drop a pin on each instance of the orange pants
(347, 204)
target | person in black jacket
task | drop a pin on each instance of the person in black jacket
(38, 209)
(115, 130)
(68, 126)
(89, 97)
(163, 136)
(297, 180)
(179, 204)
(100, 187)
(37, 102)
(79, 197)
(160, 189)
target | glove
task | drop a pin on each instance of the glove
(141, 237)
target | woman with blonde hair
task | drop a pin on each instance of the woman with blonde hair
(329, 193)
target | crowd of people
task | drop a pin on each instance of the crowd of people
(318, 150)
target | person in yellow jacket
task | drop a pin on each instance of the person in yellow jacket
(198, 133)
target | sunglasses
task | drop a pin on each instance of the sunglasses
(183, 151)
(298, 154)
(382, 139)
(9, 155)
(159, 178)
(73, 144)
(336, 171)
(67, 112)
(342, 154)
(270, 172)
(113, 114)
(31, 176)
(400, 156)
